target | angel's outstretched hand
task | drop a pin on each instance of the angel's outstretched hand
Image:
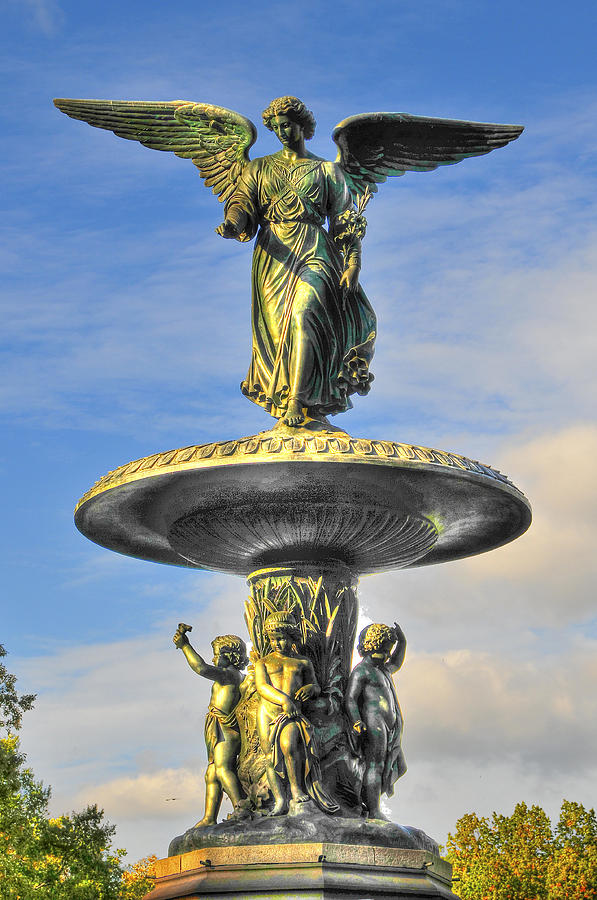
(227, 230)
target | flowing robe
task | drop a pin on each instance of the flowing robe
(216, 725)
(395, 763)
(309, 342)
(311, 768)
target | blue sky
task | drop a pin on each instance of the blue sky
(127, 331)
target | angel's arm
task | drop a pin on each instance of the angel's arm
(345, 237)
(241, 213)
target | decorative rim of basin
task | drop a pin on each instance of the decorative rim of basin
(272, 446)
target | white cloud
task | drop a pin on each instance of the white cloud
(46, 15)
(433, 795)
(479, 706)
(556, 556)
(167, 794)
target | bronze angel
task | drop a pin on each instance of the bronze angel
(313, 328)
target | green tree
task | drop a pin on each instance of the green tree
(572, 870)
(138, 879)
(44, 858)
(521, 857)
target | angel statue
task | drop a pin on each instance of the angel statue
(313, 328)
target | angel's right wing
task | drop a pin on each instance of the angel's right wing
(217, 140)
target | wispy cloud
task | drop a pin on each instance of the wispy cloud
(166, 794)
(480, 706)
(45, 15)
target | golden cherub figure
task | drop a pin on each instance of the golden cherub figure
(285, 680)
(222, 734)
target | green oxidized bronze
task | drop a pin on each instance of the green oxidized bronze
(313, 328)
(374, 713)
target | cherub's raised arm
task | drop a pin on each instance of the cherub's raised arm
(397, 658)
(198, 664)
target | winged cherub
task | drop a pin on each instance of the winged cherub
(313, 328)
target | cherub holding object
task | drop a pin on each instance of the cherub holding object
(222, 735)
(374, 712)
(284, 680)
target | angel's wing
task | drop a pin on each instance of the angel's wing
(374, 146)
(217, 140)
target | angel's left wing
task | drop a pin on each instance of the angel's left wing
(217, 140)
(374, 146)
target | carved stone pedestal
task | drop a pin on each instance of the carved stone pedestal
(310, 871)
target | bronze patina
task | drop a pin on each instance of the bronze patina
(373, 709)
(313, 328)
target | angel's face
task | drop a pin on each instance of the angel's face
(288, 132)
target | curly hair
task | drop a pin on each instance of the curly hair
(280, 621)
(234, 648)
(295, 109)
(373, 637)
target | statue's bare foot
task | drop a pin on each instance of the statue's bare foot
(205, 821)
(294, 414)
(377, 816)
(242, 810)
(299, 805)
(279, 808)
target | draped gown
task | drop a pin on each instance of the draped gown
(309, 342)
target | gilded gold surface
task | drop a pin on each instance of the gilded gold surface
(272, 447)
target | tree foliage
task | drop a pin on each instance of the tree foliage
(522, 857)
(68, 857)
(138, 879)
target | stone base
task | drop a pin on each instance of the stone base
(310, 871)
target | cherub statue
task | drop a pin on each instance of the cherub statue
(374, 712)
(222, 735)
(313, 328)
(284, 681)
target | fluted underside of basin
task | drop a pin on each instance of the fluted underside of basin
(366, 539)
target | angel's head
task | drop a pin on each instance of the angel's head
(292, 109)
